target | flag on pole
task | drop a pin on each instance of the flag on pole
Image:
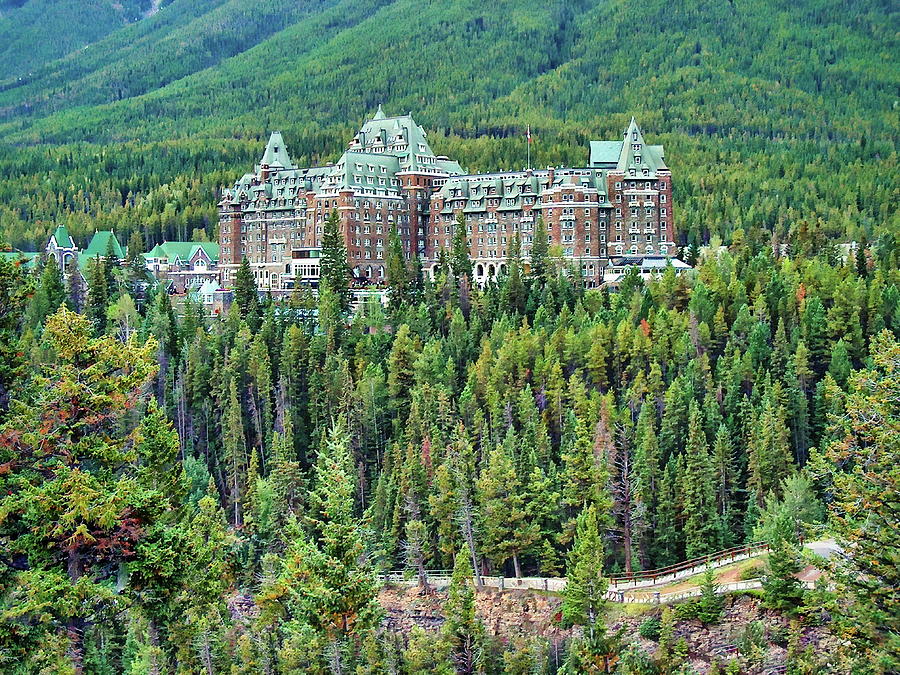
(528, 133)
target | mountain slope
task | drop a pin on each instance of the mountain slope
(37, 31)
(772, 111)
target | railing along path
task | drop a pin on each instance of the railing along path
(618, 583)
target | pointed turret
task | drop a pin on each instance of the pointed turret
(379, 114)
(633, 153)
(276, 155)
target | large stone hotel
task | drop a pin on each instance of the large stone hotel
(620, 204)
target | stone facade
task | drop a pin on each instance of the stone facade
(619, 204)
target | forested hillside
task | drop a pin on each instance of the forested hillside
(179, 493)
(184, 493)
(38, 31)
(775, 116)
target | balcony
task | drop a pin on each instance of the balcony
(648, 202)
(634, 202)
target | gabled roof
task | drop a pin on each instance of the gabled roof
(100, 245)
(183, 250)
(276, 154)
(63, 240)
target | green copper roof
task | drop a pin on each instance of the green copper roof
(276, 154)
(100, 245)
(25, 258)
(63, 240)
(605, 154)
(183, 250)
(637, 156)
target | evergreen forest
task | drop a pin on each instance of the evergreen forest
(182, 493)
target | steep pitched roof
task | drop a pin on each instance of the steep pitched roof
(183, 250)
(276, 154)
(99, 245)
(638, 156)
(63, 240)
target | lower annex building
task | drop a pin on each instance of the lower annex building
(618, 205)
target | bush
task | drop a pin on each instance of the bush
(687, 610)
(752, 641)
(649, 628)
(752, 572)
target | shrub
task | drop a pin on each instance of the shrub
(752, 640)
(752, 572)
(649, 628)
(687, 610)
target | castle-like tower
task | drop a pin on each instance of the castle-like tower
(620, 204)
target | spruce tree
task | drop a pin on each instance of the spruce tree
(584, 596)
(325, 581)
(398, 274)
(75, 284)
(506, 530)
(540, 253)
(234, 447)
(769, 457)
(246, 295)
(460, 263)
(74, 508)
(701, 524)
(462, 630)
(513, 286)
(97, 296)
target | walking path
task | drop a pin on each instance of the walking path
(651, 582)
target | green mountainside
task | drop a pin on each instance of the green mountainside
(38, 31)
(771, 111)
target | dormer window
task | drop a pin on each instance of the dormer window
(637, 159)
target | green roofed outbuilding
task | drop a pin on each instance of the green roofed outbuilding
(100, 243)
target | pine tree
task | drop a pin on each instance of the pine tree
(584, 596)
(540, 252)
(246, 296)
(462, 630)
(513, 286)
(97, 296)
(398, 274)
(234, 450)
(506, 530)
(701, 525)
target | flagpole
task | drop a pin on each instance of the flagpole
(528, 145)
